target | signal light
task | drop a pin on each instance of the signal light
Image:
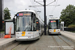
(2, 21)
(26, 14)
(37, 22)
(53, 21)
(20, 14)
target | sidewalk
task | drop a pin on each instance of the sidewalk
(6, 42)
(69, 35)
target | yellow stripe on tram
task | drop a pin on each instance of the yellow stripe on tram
(54, 30)
(23, 33)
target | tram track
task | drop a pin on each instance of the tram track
(24, 44)
(65, 42)
(56, 42)
(20, 46)
(11, 47)
(15, 46)
(27, 47)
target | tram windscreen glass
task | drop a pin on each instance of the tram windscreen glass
(24, 22)
(53, 24)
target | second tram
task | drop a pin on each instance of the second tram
(54, 26)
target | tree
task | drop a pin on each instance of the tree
(68, 15)
(6, 14)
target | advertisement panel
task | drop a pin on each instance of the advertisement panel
(9, 27)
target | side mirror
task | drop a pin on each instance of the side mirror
(14, 20)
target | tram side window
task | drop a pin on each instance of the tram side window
(37, 25)
(17, 28)
(58, 24)
(34, 22)
(49, 25)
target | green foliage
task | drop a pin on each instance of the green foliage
(6, 14)
(68, 15)
(71, 26)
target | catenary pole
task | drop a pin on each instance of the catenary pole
(44, 17)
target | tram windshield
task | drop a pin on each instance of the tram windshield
(54, 24)
(24, 23)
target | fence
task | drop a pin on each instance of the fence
(69, 29)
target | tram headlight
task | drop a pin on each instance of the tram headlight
(30, 33)
(17, 33)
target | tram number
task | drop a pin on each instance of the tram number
(23, 33)
(54, 30)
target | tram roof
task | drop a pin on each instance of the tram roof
(28, 11)
(53, 18)
(33, 12)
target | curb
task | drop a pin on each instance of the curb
(5, 44)
(71, 38)
(66, 35)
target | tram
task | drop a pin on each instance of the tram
(29, 25)
(54, 26)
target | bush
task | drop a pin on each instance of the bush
(71, 26)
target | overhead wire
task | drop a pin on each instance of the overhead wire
(54, 7)
(36, 8)
(33, 4)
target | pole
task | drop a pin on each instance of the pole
(0, 14)
(44, 17)
(44, 13)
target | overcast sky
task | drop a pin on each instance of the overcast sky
(17, 5)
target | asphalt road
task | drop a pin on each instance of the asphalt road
(48, 42)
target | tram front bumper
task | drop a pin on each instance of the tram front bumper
(26, 38)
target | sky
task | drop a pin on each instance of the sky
(16, 5)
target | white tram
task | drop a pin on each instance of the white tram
(29, 26)
(54, 26)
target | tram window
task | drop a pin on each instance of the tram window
(33, 18)
(54, 24)
(57, 23)
(23, 23)
(34, 23)
(49, 25)
(37, 25)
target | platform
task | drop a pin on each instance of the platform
(6, 42)
(69, 35)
